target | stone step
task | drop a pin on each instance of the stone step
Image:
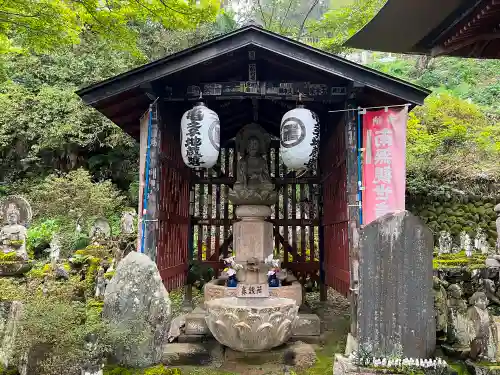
(193, 354)
(299, 355)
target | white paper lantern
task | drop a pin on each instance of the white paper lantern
(299, 139)
(200, 137)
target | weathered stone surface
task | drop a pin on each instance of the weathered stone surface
(10, 313)
(195, 323)
(497, 210)
(297, 354)
(183, 338)
(482, 369)
(190, 354)
(307, 325)
(490, 262)
(251, 325)
(396, 307)
(136, 300)
(343, 365)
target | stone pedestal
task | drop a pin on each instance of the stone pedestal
(253, 242)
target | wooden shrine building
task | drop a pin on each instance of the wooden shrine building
(252, 76)
(463, 28)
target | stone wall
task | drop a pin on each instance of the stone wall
(456, 213)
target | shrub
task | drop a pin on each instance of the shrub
(39, 237)
(76, 190)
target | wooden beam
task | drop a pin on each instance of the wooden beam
(259, 89)
(452, 47)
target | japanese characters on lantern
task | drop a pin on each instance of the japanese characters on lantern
(384, 172)
(299, 139)
(200, 137)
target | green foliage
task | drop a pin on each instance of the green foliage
(95, 251)
(39, 236)
(339, 24)
(455, 138)
(76, 190)
(156, 370)
(59, 329)
(468, 79)
(199, 274)
(42, 25)
(28, 147)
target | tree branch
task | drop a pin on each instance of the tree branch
(286, 14)
(174, 10)
(301, 30)
(262, 13)
(272, 16)
(20, 15)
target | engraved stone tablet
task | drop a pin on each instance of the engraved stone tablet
(252, 290)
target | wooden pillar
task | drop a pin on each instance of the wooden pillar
(353, 201)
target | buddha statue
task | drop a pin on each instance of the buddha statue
(13, 235)
(253, 183)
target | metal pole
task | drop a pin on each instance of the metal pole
(365, 108)
(360, 195)
(146, 183)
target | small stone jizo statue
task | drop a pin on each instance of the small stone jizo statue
(440, 304)
(485, 342)
(127, 222)
(101, 283)
(445, 242)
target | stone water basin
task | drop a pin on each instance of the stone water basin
(251, 324)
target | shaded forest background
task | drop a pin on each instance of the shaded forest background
(73, 164)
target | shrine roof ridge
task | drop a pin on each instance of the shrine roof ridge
(243, 37)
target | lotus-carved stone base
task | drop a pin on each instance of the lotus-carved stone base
(259, 197)
(251, 324)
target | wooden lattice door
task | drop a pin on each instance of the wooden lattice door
(295, 216)
(173, 216)
(335, 209)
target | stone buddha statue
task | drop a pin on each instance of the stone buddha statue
(13, 235)
(253, 183)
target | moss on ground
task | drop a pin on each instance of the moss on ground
(459, 260)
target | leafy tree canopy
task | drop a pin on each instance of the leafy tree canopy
(43, 25)
(453, 140)
(340, 23)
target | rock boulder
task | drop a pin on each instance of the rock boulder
(137, 304)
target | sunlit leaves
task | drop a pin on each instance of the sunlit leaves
(43, 25)
(339, 24)
(453, 139)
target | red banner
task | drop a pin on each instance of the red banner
(384, 166)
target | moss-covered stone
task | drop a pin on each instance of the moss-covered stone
(459, 260)
(9, 257)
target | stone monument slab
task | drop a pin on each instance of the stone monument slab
(396, 307)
